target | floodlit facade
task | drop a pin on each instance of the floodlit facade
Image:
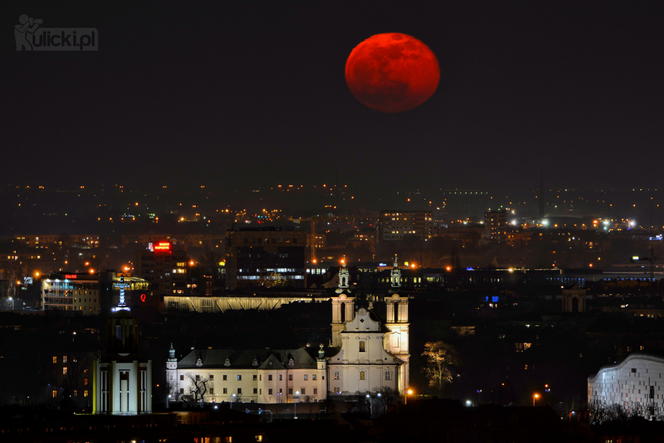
(74, 292)
(635, 384)
(247, 376)
(373, 356)
(122, 380)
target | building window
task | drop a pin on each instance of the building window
(315, 391)
(55, 393)
(255, 390)
(269, 391)
(211, 377)
(225, 390)
(304, 391)
(239, 378)
(64, 357)
(224, 377)
(229, 439)
(269, 377)
(181, 390)
(239, 390)
(85, 382)
(85, 393)
(64, 371)
(313, 376)
(55, 359)
(290, 377)
(198, 377)
(363, 346)
(336, 375)
(306, 377)
(388, 375)
(336, 390)
(211, 391)
(290, 391)
(181, 377)
(281, 377)
(255, 377)
(362, 375)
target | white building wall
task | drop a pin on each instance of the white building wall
(629, 382)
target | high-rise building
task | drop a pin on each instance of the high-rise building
(266, 256)
(495, 223)
(399, 225)
(72, 292)
(164, 267)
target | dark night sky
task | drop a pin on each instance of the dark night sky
(252, 93)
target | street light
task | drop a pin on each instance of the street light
(536, 396)
(408, 392)
(297, 394)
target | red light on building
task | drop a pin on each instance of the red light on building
(143, 298)
(71, 276)
(163, 246)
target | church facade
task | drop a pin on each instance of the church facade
(368, 355)
(373, 355)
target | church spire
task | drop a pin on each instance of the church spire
(395, 277)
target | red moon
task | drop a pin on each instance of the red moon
(392, 72)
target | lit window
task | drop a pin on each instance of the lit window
(85, 382)
(362, 375)
(55, 359)
(64, 371)
(336, 375)
(55, 393)
(85, 393)
(362, 346)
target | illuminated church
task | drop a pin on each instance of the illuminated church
(372, 355)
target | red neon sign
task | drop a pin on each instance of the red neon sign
(163, 246)
(71, 276)
(143, 298)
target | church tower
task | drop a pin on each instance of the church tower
(343, 306)
(396, 341)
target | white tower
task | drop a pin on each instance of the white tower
(396, 341)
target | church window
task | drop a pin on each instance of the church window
(388, 375)
(363, 346)
(362, 375)
(336, 375)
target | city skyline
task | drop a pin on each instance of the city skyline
(245, 96)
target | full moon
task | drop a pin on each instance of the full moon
(392, 72)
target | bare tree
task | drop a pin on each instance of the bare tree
(197, 389)
(441, 357)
